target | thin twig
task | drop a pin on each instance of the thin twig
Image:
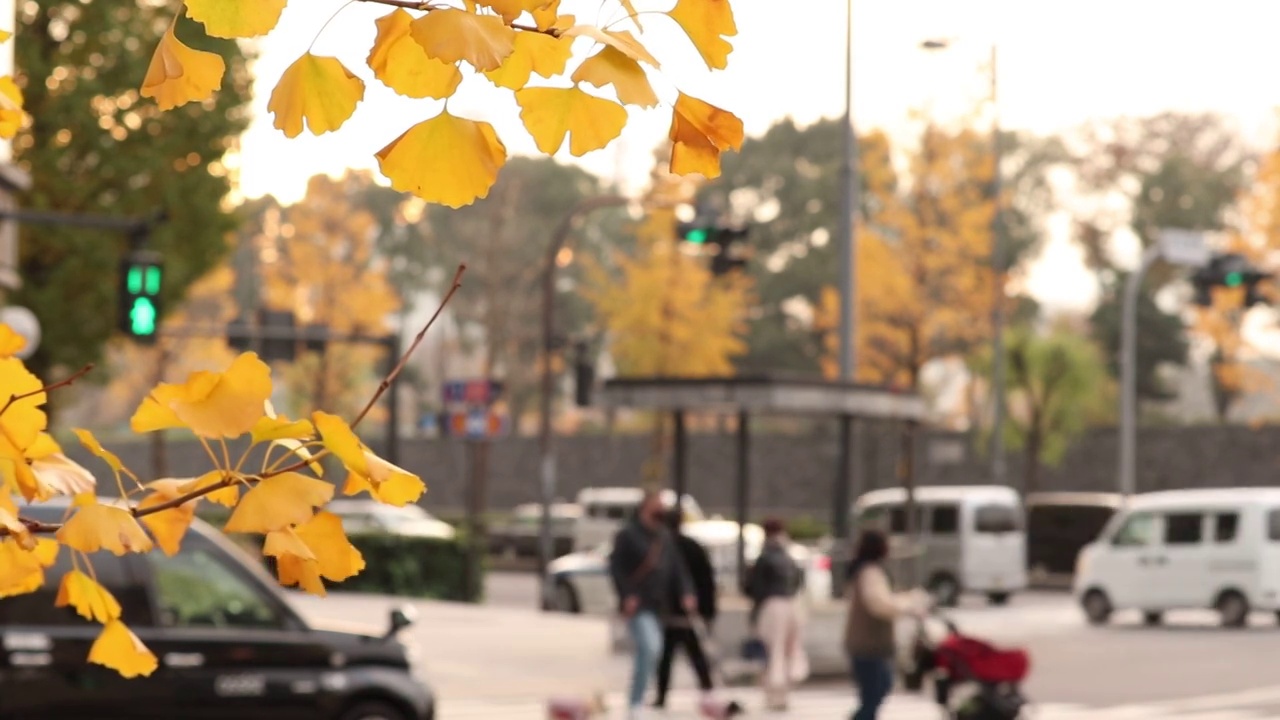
(417, 340)
(428, 7)
(65, 382)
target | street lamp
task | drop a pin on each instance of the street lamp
(546, 449)
(999, 471)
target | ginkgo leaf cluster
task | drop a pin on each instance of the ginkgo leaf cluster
(12, 116)
(586, 77)
(274, 488)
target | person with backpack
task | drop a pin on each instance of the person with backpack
(873, 608)
(648, 573)
(679, 631)
(774, 581)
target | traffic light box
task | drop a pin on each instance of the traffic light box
(141, 279)
(727, 246)
(1232, 271)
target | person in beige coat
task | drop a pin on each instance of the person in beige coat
(772, 586)
(869, 627)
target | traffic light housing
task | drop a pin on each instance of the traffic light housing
(1228, 270)
(697, 233)
(141, 280)
(726, 245)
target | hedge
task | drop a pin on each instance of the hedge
(407, 566)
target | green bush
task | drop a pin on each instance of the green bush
(806, 528)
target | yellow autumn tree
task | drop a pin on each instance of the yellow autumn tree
(666, 315)
(323, 268)
(924, 279)
(428, 51)
(1256, 237)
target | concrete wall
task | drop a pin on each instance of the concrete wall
(792, 475)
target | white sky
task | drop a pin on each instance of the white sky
(1059, 64)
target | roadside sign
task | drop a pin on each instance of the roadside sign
(471, 392)
(1183, 247)
(476, 424)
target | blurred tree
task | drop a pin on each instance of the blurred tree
(1055, 391)
(924, 270)
(666, 315)
(503, 240)
(95, 147)
(786, 184)
(1138, 175)
(1161, 341)
(323, 267)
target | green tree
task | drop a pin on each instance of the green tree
(1161, 340)
(95, 146)
(1056, 386)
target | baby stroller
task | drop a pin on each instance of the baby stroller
(988, 678)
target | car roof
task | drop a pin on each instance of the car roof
(1205, 496)
(939, 493)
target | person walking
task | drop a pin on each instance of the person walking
(647, 571)
(873, 608)
(772, 586)
(679, 631)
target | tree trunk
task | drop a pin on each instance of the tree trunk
(1031, 459)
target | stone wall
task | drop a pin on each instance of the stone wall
(792, 475)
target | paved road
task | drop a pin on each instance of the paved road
(497, 657)
(511, 589)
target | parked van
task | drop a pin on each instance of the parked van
(605, 509)
(971, 539)
(1059, 526)
(1180, 549)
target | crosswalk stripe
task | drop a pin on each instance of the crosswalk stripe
(838, 703)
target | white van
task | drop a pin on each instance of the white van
(1181, 549)
(605, 509)
(971, 538)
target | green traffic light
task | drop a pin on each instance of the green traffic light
(697, 236)
(134, 279)
(1233, 279)
(153, 280)
(142, 317)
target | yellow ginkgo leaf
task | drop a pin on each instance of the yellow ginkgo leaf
(631, 13)
(21, 570)
(226, 496)
(450, 35)
(611, 66)
(91, 444)
(12, 116)
(119, 649)
(511, 10)
(23, 419)
(623, 40)
(366, 472)
(278, 502)
(58, 474)
(10, 523)
(44, 446)
(226, 404)
(236, 18)
(404, 66)
(156, 411)
(90, 600)
(170, 525)
(325, 552)
(179, 75)
(548, 16)
(286, 542)
(278, 428)
(5, 35)
(534, 53)
(11, 343)
(707, 22)
(319, 90)
(447, 160)
(551, 113)
(104, 527)
(699, 133)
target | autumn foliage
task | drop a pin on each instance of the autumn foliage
(428, 50)
(273, 488)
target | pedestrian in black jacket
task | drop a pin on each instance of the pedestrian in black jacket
(652, 584)
(678, 630)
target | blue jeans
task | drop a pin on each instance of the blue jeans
(646, 636)
(874, 677)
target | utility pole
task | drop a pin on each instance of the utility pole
(847, 232)
(999, 466)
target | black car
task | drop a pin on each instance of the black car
(228, 644)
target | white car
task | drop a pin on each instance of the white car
(372, 516)
(581, 582)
